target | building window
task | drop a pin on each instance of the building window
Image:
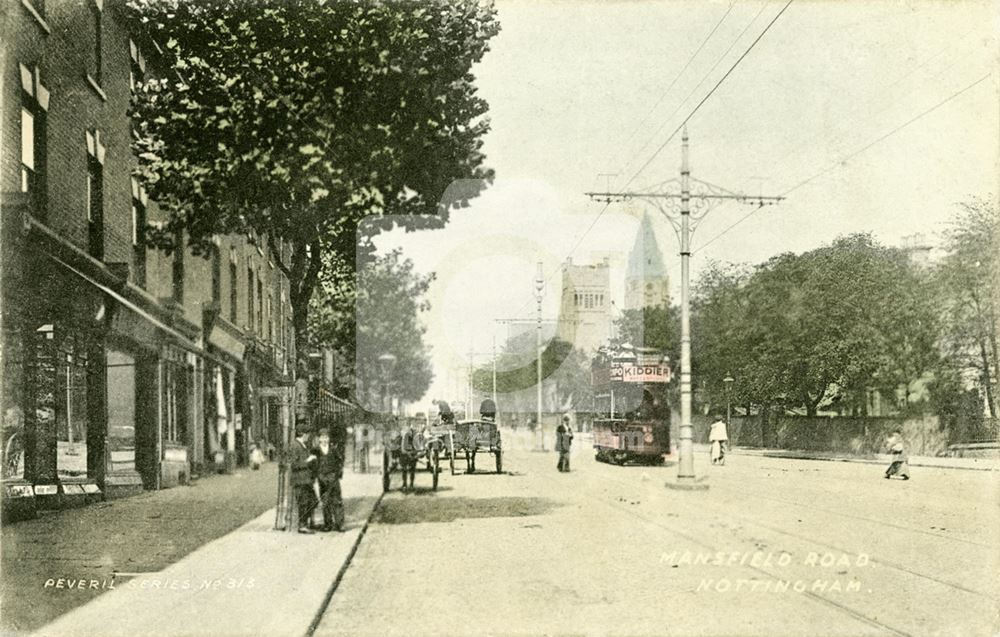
(95, 194)
(34, 105)
(177, 269)
(216, 275)
(139, 201)
(38, 6)
(270, 317)
(96, 11)
(137, 66)
(250, 304)
(260, 306)
(233, 287)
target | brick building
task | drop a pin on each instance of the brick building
(124, 368)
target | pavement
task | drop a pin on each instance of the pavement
(974, 464)
(100, 542)
(252, 580)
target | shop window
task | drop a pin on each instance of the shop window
(175, 402)
(95, 194)
(139, 201)
(71, 413)
(121, 409)
(34, 107)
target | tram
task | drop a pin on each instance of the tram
(631, 415)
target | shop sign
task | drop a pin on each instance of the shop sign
(46, 489)
(73, 489)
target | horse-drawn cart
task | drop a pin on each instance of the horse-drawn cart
(473, 436)
(403, 448)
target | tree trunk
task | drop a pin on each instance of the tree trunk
(303, 275)
(987, 385)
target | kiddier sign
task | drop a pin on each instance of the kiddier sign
(629, 372)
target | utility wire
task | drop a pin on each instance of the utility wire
(694, 90)
(679, 74)
(689, 116)
(711, 92)
(857, 152)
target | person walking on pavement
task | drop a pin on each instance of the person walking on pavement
(303, 466)
(719, 437)
(564, 441)
(900, 459)
(330, 469)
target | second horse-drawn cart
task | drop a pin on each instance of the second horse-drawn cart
(403, 447)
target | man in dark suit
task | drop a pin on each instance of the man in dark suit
(303, 466)
(330, 469)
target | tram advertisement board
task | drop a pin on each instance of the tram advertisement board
(629, 372)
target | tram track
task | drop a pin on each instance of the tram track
(871, 621)
(827, 545)
(608, 501)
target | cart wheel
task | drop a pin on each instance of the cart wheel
(437, 470)
(499, 461)
(386, 468)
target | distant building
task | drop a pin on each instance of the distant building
(646, 282)
(585, 309)
(919, 249)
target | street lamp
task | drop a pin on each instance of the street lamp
(386, 363)
(728, 382)
(539, 288)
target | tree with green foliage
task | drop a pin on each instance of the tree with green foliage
(379, 315)
(297, 119)
(966, 284)
(565, 376)
(827, 325)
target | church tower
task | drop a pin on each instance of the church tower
(646, 282)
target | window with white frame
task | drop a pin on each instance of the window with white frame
(95, 194)
(34, 107)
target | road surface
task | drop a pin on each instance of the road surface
(774, 547)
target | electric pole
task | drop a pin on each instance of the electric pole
(539, 287)
(677, 208)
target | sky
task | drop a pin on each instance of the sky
(866, 116)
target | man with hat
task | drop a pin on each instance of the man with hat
(564, 440)
(303, 466)
(330, 452)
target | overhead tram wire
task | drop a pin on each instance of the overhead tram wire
(711, 92)
(857, 152)
(679, 74)
(686, 119)
(842, 131)
(694, 90)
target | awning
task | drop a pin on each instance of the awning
(182, 341)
